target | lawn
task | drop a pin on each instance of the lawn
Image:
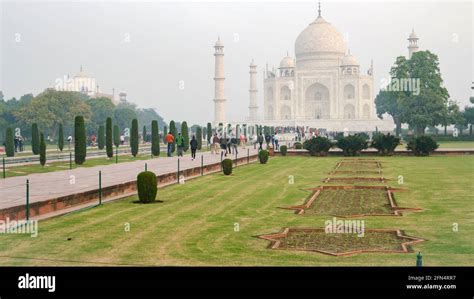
(214, 220)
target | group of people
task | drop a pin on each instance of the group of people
(179, 141)
(227, 144)
(18, 141)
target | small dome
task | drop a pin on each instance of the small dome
(349, 60)
(219, 43)
(319, 37)
(287, 62)
(413, 35)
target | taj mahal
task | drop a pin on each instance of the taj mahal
(323, 86)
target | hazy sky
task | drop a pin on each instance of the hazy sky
(147, 48)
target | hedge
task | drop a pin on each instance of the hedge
(263, 156)
(147, 186)
(155, 139)
(227, 166)
(79, 140)
(108, 138)
(134, 137)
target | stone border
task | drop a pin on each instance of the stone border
(275, 242)
(115, 191)
(300, 209)
(459, 152)
(377, 163)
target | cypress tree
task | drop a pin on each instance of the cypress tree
(61, 138)
(185, 134)
(155, 139)
(101, 137)
(144, 134)
(174, 132)
(199, 137)
(134, 137)
(165, 131)
(79, 140)
(209, 133)
(34, 139)
(42, 150)
(9, 143)
(116, 136)
(108, 138)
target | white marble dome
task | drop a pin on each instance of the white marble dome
(320, 37)
(349, 60)
(287, 62)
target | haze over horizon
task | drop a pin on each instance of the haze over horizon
(147, 49)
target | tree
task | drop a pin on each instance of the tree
(42, 150)
(469, 117)
(185, 134)
(116, 135)
(174, 132)
(165, 131)
(101, 137)
(79, 140)
(124, 116)
(199, 137)
(134, 137)
(144, 134)
(209, 133)
(51, 108)
(35, 139)
(9, 143)
(60, 137)
(387, 102)
(108, 138)
(155, 139)
(101, 108)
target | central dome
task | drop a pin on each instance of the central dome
(320, 37)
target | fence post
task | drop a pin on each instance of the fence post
(4, 174)
(100, 187)
(236, 159)
(178, 172)
(202, 165)
(70, 160)
(116, 154)
(27, 199)
(248, 156)
(146, 167)
(221, 159)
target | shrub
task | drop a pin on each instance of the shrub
(209, 133)
(144, 136)
(318, 146)
(146, 186)
(61, 138)
(101, 137)
(283, 150)
(9, 143)
(134, 137)
(108, 138)
(185, 134)
(42, 150)
(227, 166)
(199, 132)
(385, 144)
(352, 145)
(155, 139)
(263, 156)
(116, 134)
(35, 139)
(174, 132)
(422, 145)
(298, 145)
(79, 140)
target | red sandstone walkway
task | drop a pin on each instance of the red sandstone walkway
(44, 186)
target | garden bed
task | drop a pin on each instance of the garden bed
(350, 201)
(351, 180)
(337, 244)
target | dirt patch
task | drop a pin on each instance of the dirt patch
(358, 165)
(354, 180)
(350, 201)
(337, 244)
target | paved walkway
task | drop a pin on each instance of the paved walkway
(44, 186)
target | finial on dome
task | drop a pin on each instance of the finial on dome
(319, 8)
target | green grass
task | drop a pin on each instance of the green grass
(195, 225)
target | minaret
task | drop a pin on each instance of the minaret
(412, 43)
(253, 108)
(219, 97)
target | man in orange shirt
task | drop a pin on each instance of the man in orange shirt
(169, 138)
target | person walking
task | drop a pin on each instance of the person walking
(242, 140)
(180, 144)
(169, 140)
(223, 143)
(194, 145)
(260, 141)
(234, 145)
(275, 138)
(254, 141)
(229, 151)
(215, 144)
